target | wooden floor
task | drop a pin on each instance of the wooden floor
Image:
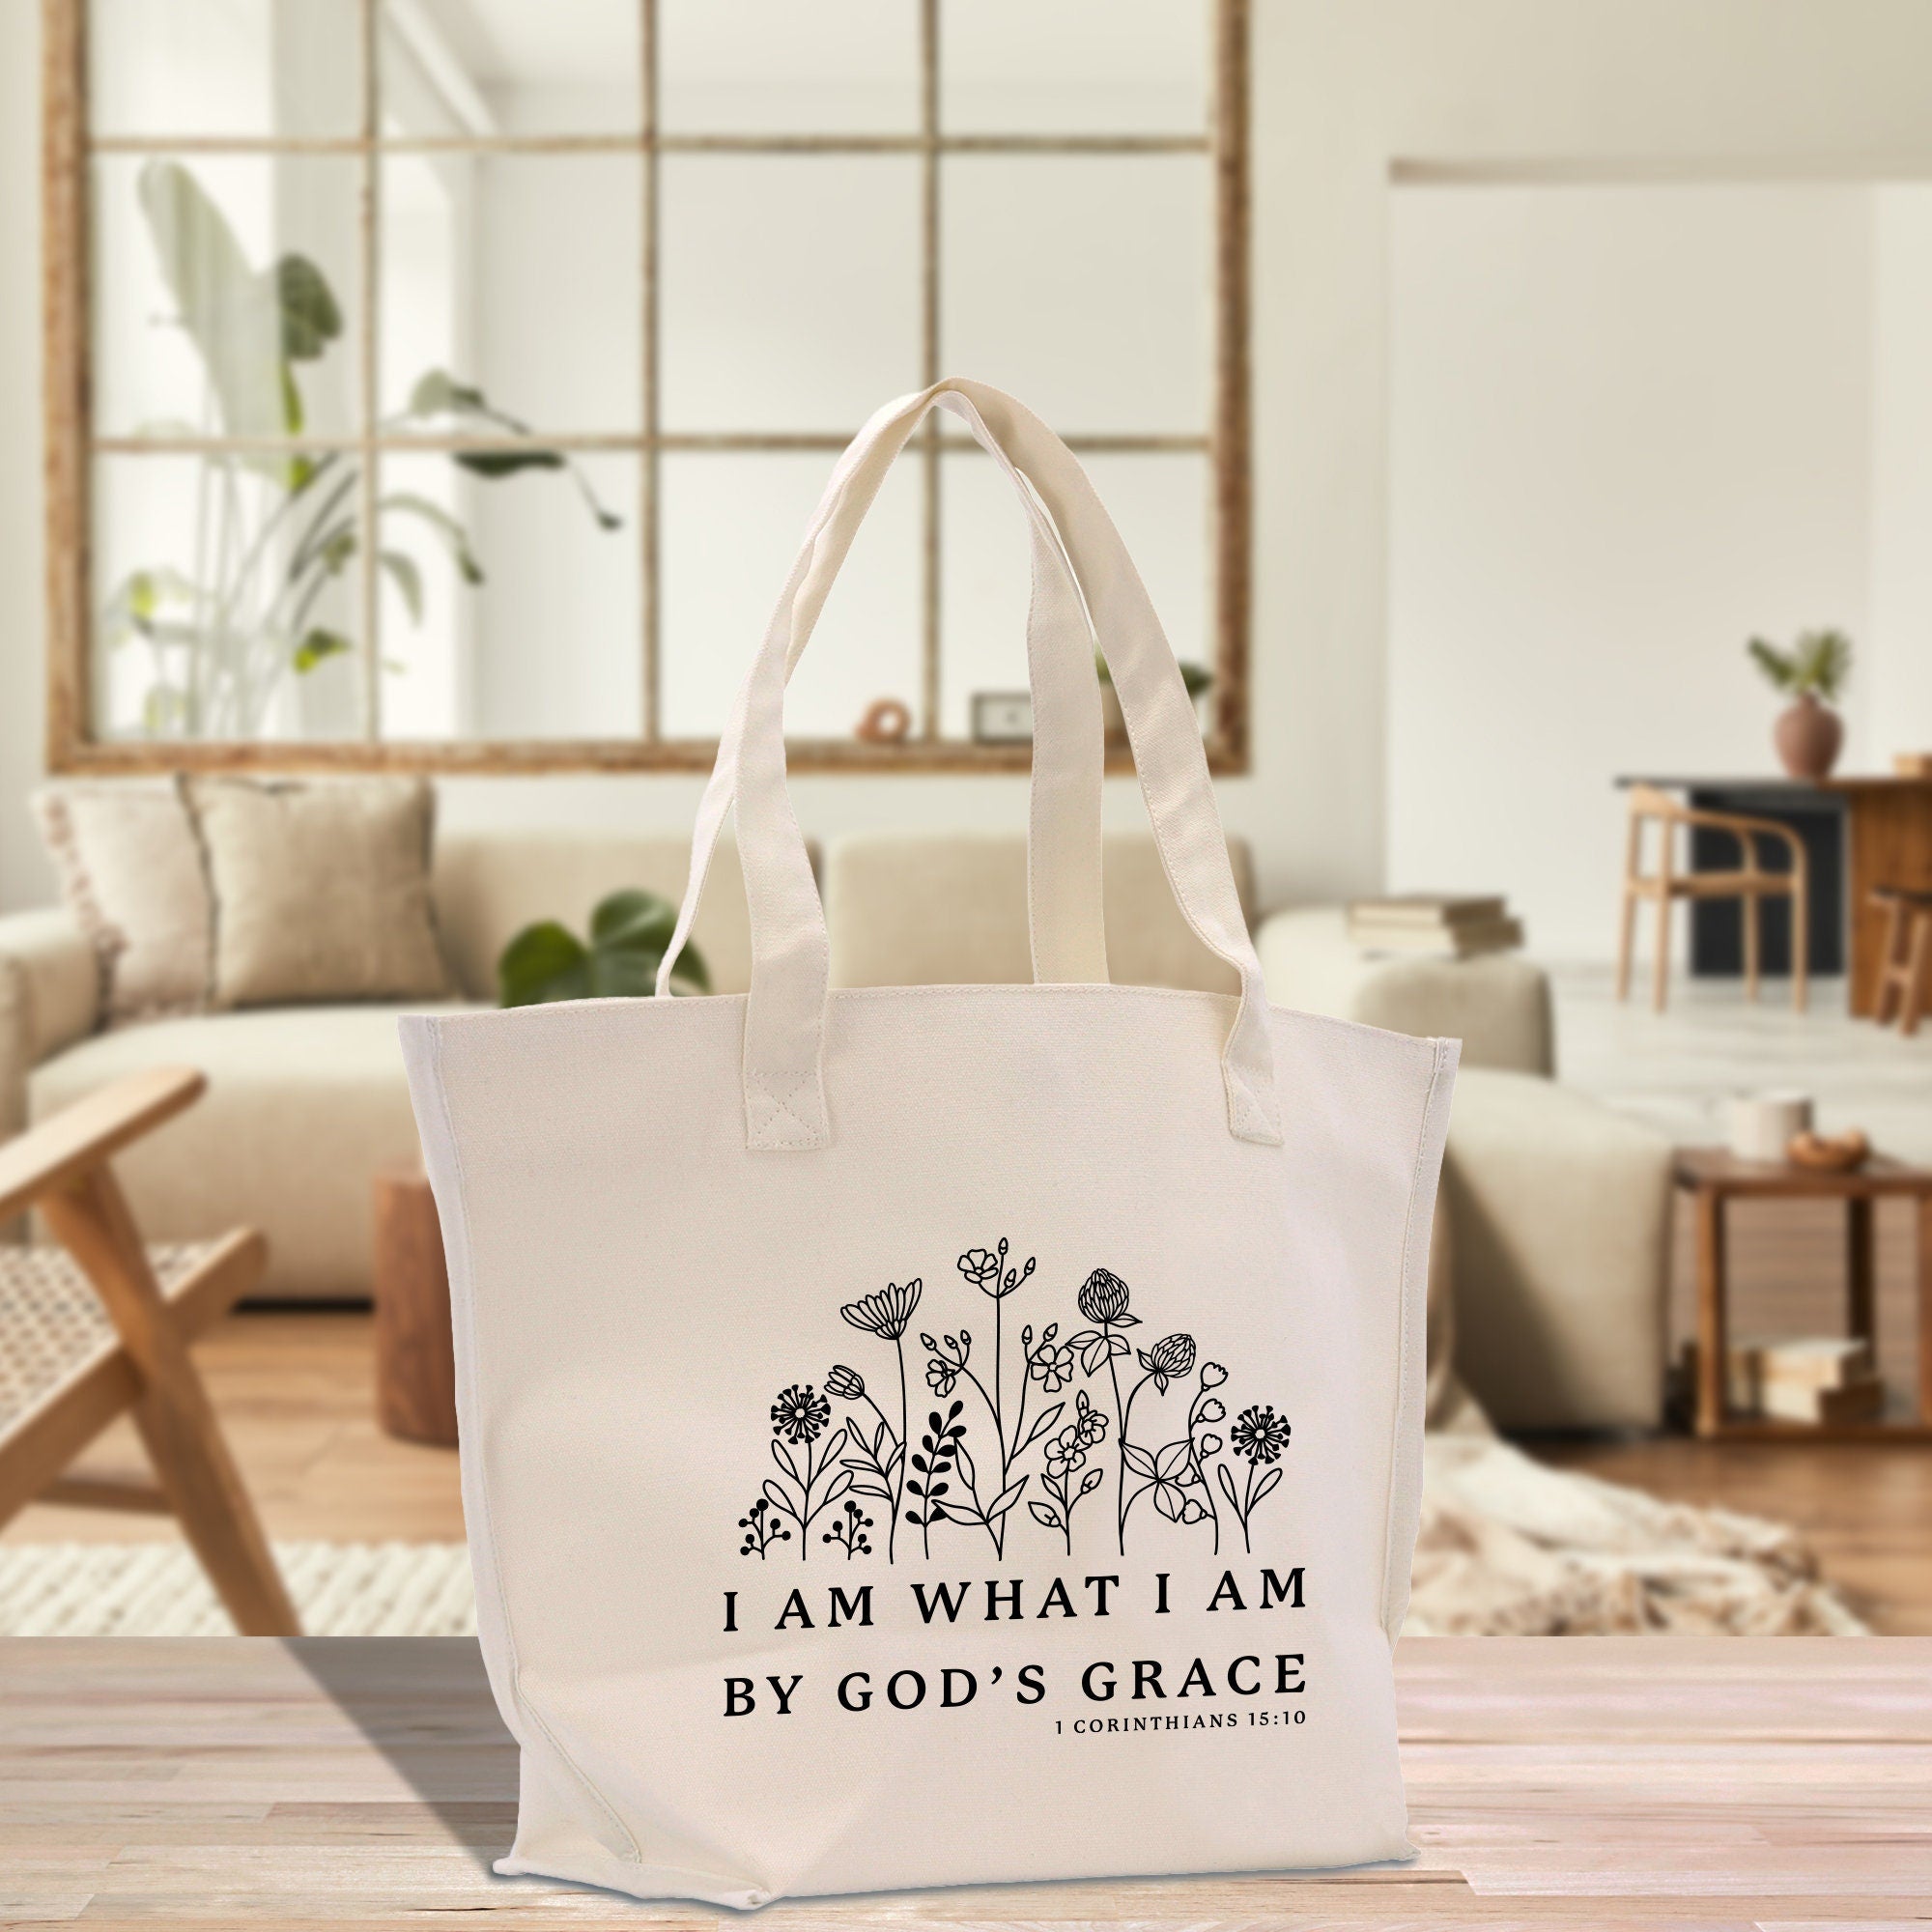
(1619, 1782)
(294, 1391)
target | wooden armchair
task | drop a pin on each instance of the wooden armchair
(99, 1327)
(1749, 883)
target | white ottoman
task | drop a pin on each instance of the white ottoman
(1497, 1004)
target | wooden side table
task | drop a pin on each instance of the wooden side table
(415, 1358)
(1714, 1178)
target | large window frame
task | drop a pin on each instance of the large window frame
(72, 445)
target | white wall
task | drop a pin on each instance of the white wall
(1630, 426)
(1342, 93)
(1898, 688)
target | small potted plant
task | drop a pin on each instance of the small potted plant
(1812, 673)
(629, 932)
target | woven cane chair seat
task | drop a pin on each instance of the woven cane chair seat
(53, 1326)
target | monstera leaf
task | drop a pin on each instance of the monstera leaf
(629, 932)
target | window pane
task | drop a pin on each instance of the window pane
(227, 597)
(509, 604)
(1082, 284)
(780, 66)
(1075, 67)
(225, 295)
(223, 66)
(1160, 504)
(518, 275)
(509, 67)
(790, 289)
(732, 527)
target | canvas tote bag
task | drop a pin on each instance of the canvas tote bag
(940, 1434)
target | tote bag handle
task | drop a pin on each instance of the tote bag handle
(784, 1014)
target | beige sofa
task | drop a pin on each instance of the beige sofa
(1557, 1207)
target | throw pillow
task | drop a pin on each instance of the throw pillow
(320, 889)
(130, 871)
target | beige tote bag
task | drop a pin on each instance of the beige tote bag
(929, 1435)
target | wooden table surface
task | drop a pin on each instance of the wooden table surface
(1554, 1781)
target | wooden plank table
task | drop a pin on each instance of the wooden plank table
(1554, 1781)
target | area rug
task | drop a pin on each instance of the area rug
(157, 1589)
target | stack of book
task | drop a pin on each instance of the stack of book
(1441, 923)
(1807, 1378)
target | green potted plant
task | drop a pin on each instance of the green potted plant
(629, 932)
(1808, 733)
(1197, 677)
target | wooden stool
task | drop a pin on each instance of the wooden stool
(1905, 966)
(415, 1359)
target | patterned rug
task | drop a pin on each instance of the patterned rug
(157, 1589)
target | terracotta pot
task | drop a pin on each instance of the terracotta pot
(1807, 736)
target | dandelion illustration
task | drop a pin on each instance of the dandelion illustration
(1259, 1435)
(1257, 1438)
(800, 1415)
(808, 1483)
(886, 1314)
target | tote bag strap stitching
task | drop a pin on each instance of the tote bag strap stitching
(1405, 1473)
(453, 1146)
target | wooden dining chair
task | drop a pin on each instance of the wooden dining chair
(98, 1326)
(1905, 965)
(1750, 883)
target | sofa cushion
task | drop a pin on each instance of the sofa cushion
(919, 909)
(320, 889)
(303, 1105)
(129, 870)
(490, 885)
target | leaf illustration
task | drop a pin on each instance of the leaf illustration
(1172, 1460)
(1116, 1345)
(1227, 1486)
(1137, 1458)
(966, 1468)
(1094, 1354)
(1043, 1512)
(840, 1483)
(1040, 1424)
(781, 1456)
(1169, 1501)
(1125, 1321)
(1092, 1480)
(1266, 1483)
(1006, 1499)
(776, 1494)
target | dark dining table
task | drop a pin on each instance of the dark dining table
(1860, 830)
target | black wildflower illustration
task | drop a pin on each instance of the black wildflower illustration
(762, 1530)
(1065, 1459)
(886, 1314)
(853, 1463)
(810, 1482)
(1259, 1436)
(799, 1416)
(848, 1530)
(932, 1464)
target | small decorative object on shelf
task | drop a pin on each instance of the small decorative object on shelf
(1003, 716)
(1808, 733)
(888, 721)
(1440, 925)
(1831, 1154)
